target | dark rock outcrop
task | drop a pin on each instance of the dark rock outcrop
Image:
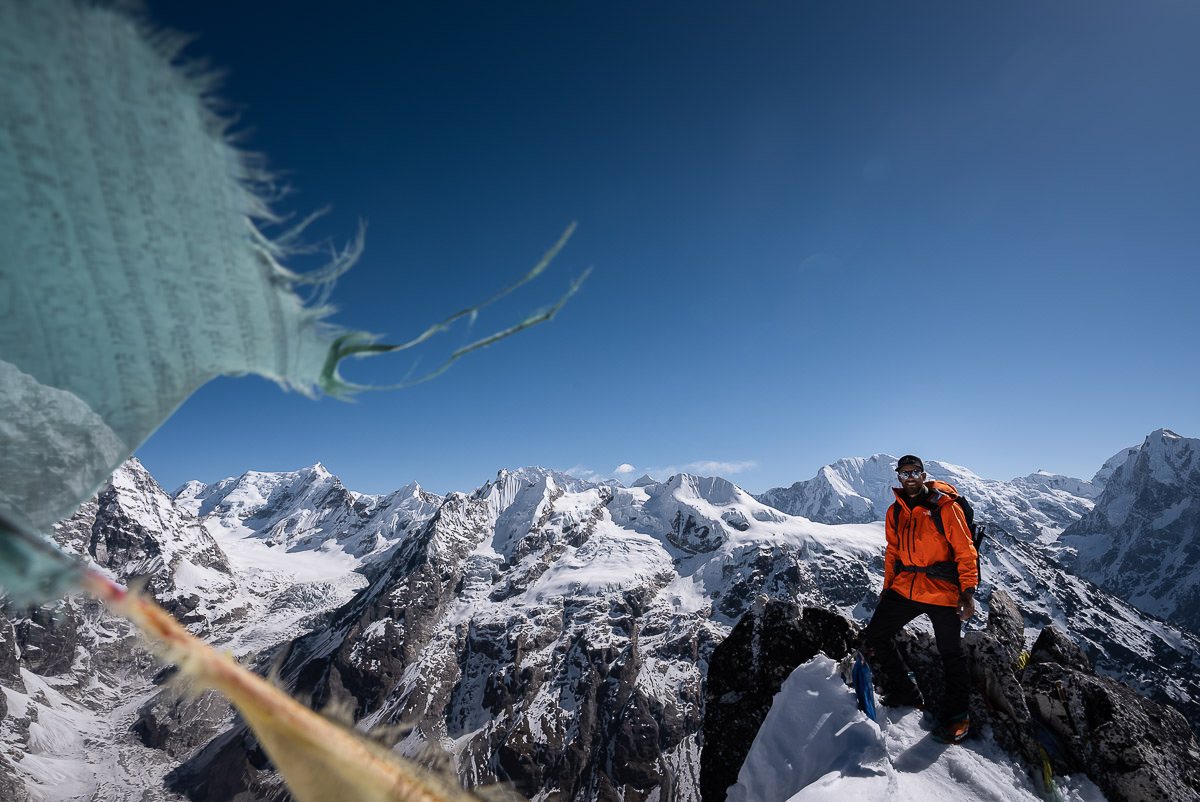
(12, 789)
(10, 656)
(1135, 749)
(747, 670)
(48, 638)
(177, 723)
(1051, 701)
(994, 656)
(1052, 646)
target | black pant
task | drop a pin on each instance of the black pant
(893, 612)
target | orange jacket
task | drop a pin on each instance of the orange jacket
(913, 539)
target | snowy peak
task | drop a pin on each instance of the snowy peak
(508, 484)
(136, 531)
(1167, 458)
(859, 490)
(699, 514)
(247, 495)
(1111, 465)
(529, 510)
(852, 490)
(308, 510)
(1142, 540)
(1057, 482)
(1163, 461)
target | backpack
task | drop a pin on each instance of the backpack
(948, 570)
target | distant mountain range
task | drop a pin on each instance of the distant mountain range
(543, 629)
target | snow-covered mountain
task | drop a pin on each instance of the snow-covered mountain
(307, 510)
(859, 490)
(541, 629)
(1142, 539)
(558, 638)
(134, 530)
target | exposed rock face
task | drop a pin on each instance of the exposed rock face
(993, 656)
(1133, 748)
(1142, 540)
(747, 670)
(48, 638)
(133, 529)
(10, 658)
(1136, 750)
(177, 724)
(11, 787)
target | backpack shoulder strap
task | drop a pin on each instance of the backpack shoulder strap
(936, 515)
(895, 511)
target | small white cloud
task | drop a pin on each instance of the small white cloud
(624, 468)
(580, 472)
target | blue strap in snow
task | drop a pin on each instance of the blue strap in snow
(863, 686)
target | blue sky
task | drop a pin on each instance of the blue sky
(818, 230)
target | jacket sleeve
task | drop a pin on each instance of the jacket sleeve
(889, 557)
(960, 540)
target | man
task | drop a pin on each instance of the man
(928, 573)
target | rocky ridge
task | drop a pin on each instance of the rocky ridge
(1042, 701)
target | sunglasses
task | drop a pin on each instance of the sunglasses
(910, 474)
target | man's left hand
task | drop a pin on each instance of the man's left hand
(966, 604)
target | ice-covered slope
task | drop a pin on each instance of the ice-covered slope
(1142, 540)
(858, 490)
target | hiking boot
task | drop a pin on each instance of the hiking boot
(952, 730)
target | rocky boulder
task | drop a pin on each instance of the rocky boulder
(746, 671)
(1135, 749)
(994, 656)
